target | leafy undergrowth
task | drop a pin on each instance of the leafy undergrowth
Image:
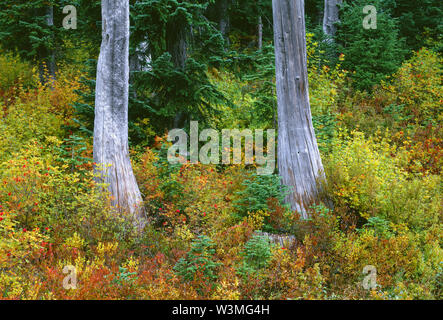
(382, 156)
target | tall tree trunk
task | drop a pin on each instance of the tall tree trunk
(177, 31)
(219, 12)
(224, 21)
(331, 17)
(299, 160)
(141, 59)
(111, 110)
(47, 56)
(260, 33)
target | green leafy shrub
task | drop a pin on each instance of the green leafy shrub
(199, 265)
(13, 71)
(124, 276)
(72, 152)
(417, 87)
(371, 54)
(366, 178)
(256, 255)
(257, 191)
(381, 226)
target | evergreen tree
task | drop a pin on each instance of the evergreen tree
(28, 27)
(419, 20)
(174, 79)
(371, 53)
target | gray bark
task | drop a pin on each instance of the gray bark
(331, 16)
(219, 12)
(299, 160)
(141, 59)
(285, 241)
(224, 23)
(260, 33)
(111, 111)
(47, 65)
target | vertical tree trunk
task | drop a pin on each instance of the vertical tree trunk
(224, 23)
(111, 110)
(177, 31)
(219, 12)
(139, 61)
(47, 56)
(299, 160)
(331, 16)
(141, 58)
(260, 33)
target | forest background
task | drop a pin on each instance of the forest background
(376, 102)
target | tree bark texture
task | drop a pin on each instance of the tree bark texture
(177, 31)
(111, 148)
(260, 33)
(224, 23)
(141, 59)
(47, 68)
(299, 160)
(331, 16)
